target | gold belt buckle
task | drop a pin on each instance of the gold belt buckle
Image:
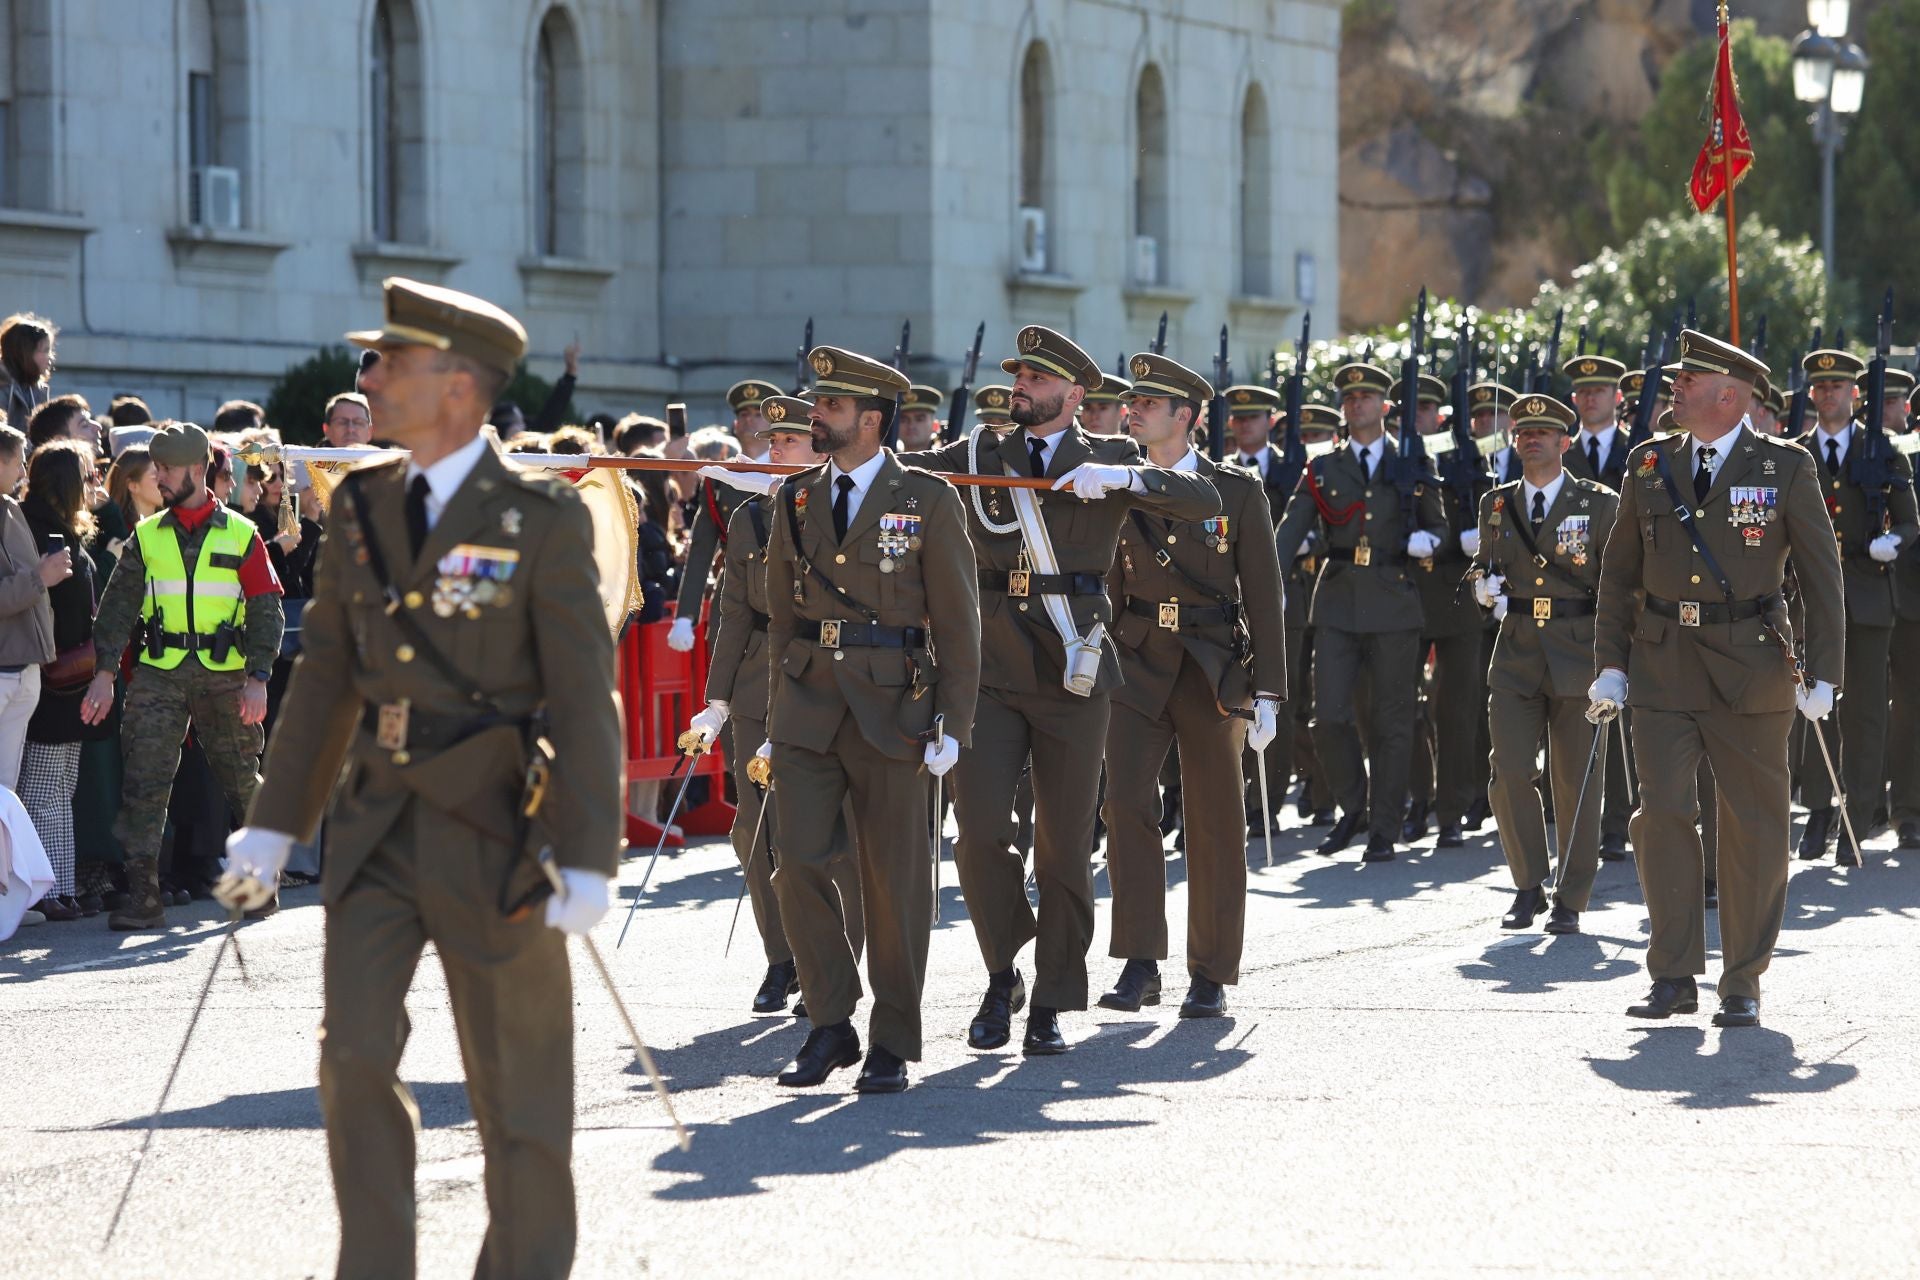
(1017, 583)
(830, 635)
(1689, 613)
(1309, 565)
(1363, 555)
(1542, 608)
(390, 734)
(1170, 616)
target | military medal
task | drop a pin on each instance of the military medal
(1574, 538)
(1499, 505)
(471, 576)
(1216, 533)
(510, 522)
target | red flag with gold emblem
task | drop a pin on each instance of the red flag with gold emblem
(1728, 152)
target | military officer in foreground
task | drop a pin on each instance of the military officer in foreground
(456, 634)
(1202, 644)
(874, 637)
(714, 515)
(737, 677)
(1692, 632)
(1870, 541)
(1047, 675)
(1366, 609)
(1540, 540)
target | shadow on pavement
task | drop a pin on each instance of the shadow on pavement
(442, 1103)
(1535, 963)
(1710, 1069)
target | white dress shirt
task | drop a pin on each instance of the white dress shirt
(1368, 455)
(862, 477)
(445, 477)
(1843, 439)
(1550, 493)
(1605, 436)
(1258, 461)
(1722, 450)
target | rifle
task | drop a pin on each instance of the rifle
(1642, 428)
(963, 394)
(1543, 380)
(1464, 469)
(1293, 451)
(1580, 347)
(800, 370)
(1217, 407)
(1159, 344)
(1800, 391)
(903, 353)
(1870, 465)
(1413, 469)
(1758, 347)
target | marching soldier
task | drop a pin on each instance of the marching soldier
(1869, 546)
(1903, 715)
(1763, 415)
(869, 577)
(1541, 539)
(456, 634)
(1104, 411)
(1250, 417)
(919, 425)
(1202, 647)
(1366, 608)
(1490, 403)
(1047, 674)
(714, 513)
(992, 405)
(1691, 619)
(1320, 427)
(737, 693)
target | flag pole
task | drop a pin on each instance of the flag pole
(1726, 160)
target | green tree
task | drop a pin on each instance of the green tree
(1879, 177)
(298, 402)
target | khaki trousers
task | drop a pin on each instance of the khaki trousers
(748, 735)
(1216, 829)
(1859, 745)
(1065, 734)
(889, 804)
(1340, 660)
(433, 880)
(1517, 722)
(1903, 725)
(1445, 777)
(1749, 758)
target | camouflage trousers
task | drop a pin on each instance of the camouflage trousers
(160, 705)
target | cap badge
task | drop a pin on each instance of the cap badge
(1354, 375)
(776, 413)
(1824, 362)
(750, 394)
(1535, 407)
(1242, 397)
(822, 363)
(1030, 338)
(1141, 366)
(1588, 366)
(996, 398)
(1482, 396)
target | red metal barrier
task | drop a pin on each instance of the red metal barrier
(660, 690)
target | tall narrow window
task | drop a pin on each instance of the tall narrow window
(9, 44)
(1256, 197)
(559, 141)
(213, 48)
(1036, 175)
(1151, 213)
(396, 125)
(33, 129)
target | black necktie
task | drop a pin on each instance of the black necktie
(1365, 457)
(840, 507)
(1593, 455)
(417, 513)
(1037, 453)
(1251, 464)
(1539, 511)
(1703, 476)
(1833, 457)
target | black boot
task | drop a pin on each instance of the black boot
(1817, 836)
(1479, 809)
(1414, 828)
(1527, 904)
(781, 981)
(1668, 997)
(1139, 984)
(1341, 836)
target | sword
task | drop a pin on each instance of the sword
(691, 744)
(1266, 805)
(1626, 764)
(620, 1006)
(939, 732)
(1573, 826)
(1846, 819)
(753, 849)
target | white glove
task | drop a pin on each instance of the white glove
(1606, 695)
(1488, 589)
(1885, 548)
(709, 722)
(1266, 724)
(1470, 541)
(251, 874)
(942, 756)
(1306, 548)
(1421, 545)
(766, 750)
(680, 635)
(581, 906)
(1095, 480)
(1500, 609)
(751, 481)
(1815, 700)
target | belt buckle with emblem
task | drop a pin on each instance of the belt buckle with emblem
(1689, 613)
(390, 733)
(1019, 578)
(1363, 553)
(1170, 616)
(1542, 608)
(830, 635)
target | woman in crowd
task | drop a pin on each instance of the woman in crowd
(26, 621)
(26, 365)
(56, 507)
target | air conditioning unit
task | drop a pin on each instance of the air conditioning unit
(1033, 239)
(214, 198)
(1146, 260)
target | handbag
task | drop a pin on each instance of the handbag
(70, 672)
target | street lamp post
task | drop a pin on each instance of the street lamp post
(1830, 74)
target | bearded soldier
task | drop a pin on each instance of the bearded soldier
(714, 514)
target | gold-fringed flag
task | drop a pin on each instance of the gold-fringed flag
(1723, 161)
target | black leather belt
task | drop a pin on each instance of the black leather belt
(1175, 616)
(404, 727)
(866, 635)
(1692, 613)
(760, 620)
(1018, 583)
(1365, 556)
(1541, 608)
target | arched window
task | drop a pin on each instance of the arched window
(1256, 197)
(1151, 212)
(396, 119)
(1036, 159)
(559, 141)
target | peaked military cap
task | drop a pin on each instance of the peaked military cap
(427, 315)
(1054, 352)
(1361, 377)
(1250, 398)
(1542, 411)
(1829, 365)
(1432, 390)
(749, 394)
(1913, 400)
(179, 444)
(1631, 381)
(847, 373)
(993, 403)
(1484, 397)
(1319, 417)
(921, 396)
(1899, 382)
(1112, 390)
(1776, 401)
(1164, 376)
(787, 413)
(1704, 354)
(1594, 371)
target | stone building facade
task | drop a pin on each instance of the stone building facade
(200, 192)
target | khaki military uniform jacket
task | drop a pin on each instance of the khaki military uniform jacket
(893, 693)
(543, 641)
(1553, 653)
(1869, 584)
(1375, 597)
(1020, 652)
(1231, 555)
(1447, 606)
(1676, 667)
(737, 670)
(708, 536)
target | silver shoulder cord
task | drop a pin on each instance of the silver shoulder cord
(979, 504)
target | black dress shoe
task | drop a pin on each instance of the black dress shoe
(1479, 809)
(1321, 818)
(1563, 920)
(993, 1025)
(1613, 849)
(883, 1073)
(1139, 984)
(1415, 827)
(1451, 837)
(1910, 835)
(1205, 999)
(1341, 836)
(1043, 1033)
(800, 1009)
(1713, 895)
(1737, 1011)
(1527, 904)
(1846, 852)
(781, 981)
(827, 1050)
(1668, 997)
(1379, 849)
(1817, 836)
